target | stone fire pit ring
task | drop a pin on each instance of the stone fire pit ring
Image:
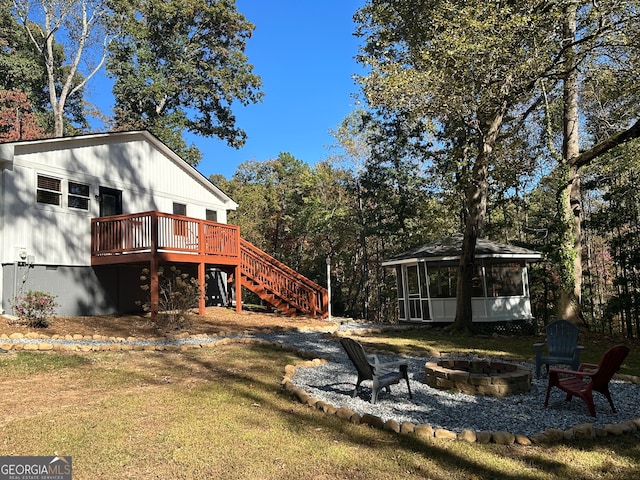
(491, 378)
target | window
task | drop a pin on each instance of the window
(49, 190)
(505, 280)
(179, 209)
(78, 196)
(179, 226)
(212, 215)
(443, 282)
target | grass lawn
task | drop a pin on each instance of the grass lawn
(221, 413)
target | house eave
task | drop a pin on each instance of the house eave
(442, 259)
(7, 152)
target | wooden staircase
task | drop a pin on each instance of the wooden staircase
(279, 285)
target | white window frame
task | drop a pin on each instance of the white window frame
(86, 197)
(58, 192)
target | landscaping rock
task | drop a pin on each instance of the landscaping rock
(467, 436)
(372, 420)
(503, 438)
(613, 429)
(344, 413)
(444, 434)
(424, 431)
(407, 427)
(584, 431)
(391, 426)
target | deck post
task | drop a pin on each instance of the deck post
(237, 275)
(155, 294)
(202, 285)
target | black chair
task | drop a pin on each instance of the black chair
(370, 368)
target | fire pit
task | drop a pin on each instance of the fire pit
(478, 377)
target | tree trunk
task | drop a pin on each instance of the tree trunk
(570, 294)
(476, 203)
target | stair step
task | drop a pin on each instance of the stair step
(269, 293)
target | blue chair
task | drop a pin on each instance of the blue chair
(562, 346)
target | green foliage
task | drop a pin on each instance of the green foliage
(180, 65)
(178, 294)
(34, 308)
(615, 218)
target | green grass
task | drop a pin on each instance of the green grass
(221, 413)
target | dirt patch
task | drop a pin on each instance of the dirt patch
(217, 320)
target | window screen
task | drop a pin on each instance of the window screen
(49, 190)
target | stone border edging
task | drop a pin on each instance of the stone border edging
(585, 431)
(426, 431)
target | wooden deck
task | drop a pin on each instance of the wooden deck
(172, 238)
(154, 237)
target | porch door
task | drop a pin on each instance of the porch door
(110, 201)
(417, 293)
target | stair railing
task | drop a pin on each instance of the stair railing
(283, 282)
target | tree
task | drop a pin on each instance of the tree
(20, 65)
(17, 121)
(467, 68)
(180, 65)
(79, 25)
(599, 39)
(477, 70)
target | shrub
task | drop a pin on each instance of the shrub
(178, 294)
(34, 309)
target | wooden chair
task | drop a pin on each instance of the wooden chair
(562, 346)
(583, 383)
(370, 368)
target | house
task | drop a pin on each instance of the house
(426, 279)
(80, 217)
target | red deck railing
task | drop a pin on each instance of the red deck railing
(156, 232)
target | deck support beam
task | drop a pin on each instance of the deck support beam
(237, 272)
(154, 287)
(202, 284)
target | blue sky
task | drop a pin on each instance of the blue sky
(304, 52)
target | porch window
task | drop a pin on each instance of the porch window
(78, 196)
(49, 190)
(505, 280)
(443, 282)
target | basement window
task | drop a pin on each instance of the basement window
(49, 190)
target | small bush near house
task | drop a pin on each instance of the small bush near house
(178, 294)
(34, 309)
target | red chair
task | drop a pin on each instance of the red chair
(583, 383)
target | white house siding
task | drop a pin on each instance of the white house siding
(148, 179)
(57, 238)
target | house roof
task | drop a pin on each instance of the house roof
(8, 150)
(450, 248)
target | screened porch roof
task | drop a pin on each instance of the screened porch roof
(449, 249)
